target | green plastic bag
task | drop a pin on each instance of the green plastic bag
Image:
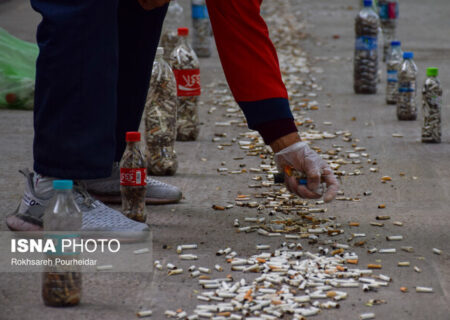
(17, 72)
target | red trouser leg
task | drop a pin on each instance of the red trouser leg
(251, 66)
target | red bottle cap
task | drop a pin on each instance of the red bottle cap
(183, 31)
(133, 136)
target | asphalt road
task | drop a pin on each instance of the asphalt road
(421, 203)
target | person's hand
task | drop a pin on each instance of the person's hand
(305, 160)
(152, 4)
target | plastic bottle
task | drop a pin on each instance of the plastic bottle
(186, 67)
(201, 29)
(133, 174)
(393, 64)
(174, 19)
(365, 73)
(62, 288)
(406, 98)
(431, 104)
(161, 119)
(388, 12)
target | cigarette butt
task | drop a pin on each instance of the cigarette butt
(408, 249)
(331, 294)
(389, 250)
(403, 289)
(195, 274)
(248, 295)
(382, 217)
(204, 277)
(216, 207)
(337, 251)
(105, 267)
(381, 206)
(403, 264)
(437, 251)
(141, 251)
(188, 257)
(368, 315)
(144, 313)
(424, 289)
(352, 261)
(377, 224)
(175, 271)
(262, 247)
(374, 266)
(394, 238)
(398, 223)
(386, 178)
(204, 270)
(353, 224)
(218, 268)
(417, 269)
(372, 250)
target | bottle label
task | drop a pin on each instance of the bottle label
(366, 43)
(408, 86)
(133, 176)
(392, 76)
(188, 82)
(199, 11)
(388, 11)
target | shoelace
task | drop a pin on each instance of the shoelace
(81, 191)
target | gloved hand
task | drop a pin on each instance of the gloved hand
(303, 159)
(152, 4)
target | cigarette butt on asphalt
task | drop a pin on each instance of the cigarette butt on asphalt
(403, 264)
(417, 269)
(188, 257)
(218, 268)
(437, 251)
(175, 271)
(368, 315)
(408, 249)
(141, 251)
(394, 238)
(144, 313)
(381, 206)
(204, 270)
(374, 266)
(353, 224)
(403, 289)
(424, 289)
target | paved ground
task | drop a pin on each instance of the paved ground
(421, 204)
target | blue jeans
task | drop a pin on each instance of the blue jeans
(92, 77)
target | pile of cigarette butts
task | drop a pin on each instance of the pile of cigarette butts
(287, 280)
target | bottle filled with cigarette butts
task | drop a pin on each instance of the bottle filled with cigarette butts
(406, 98)
(201, 28)
(133, 174)
(174, 19)
(393, 63)
(186, 67)
(61, 284)
(388, 13)
(365, 72)
(431, 103)
(161, 119)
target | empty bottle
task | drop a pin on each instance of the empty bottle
(161, 119)
(406, 98)
(431, 104)
(393, 64)
(388, 13)
(186, 67)
(201, 29)
(174, 19)
(365, 73)
(62, 288)
(133, 174)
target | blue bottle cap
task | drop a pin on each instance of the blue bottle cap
(396, 43)
(367, 3)
(62, 184)
(408, 55)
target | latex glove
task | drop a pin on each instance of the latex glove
(152, 4)
(302, 158)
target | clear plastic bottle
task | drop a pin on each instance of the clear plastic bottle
(431, 104)
(161, 119)
(61, 288)
(201, 29)
(365, 73)
(174, 19)
(186, 67)
(406, 98)
(393, 64)
(388, 12)
(133, 174)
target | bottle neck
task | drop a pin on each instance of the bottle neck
(133, 145)
(182, 40)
